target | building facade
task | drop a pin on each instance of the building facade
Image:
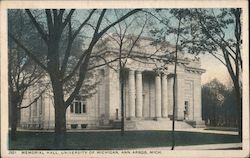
(148, 91)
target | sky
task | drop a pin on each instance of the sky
(214, 69)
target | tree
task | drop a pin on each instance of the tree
(23, 73)
(214, 95)
(230, 109)
(175, 24)
(51, 33)
(217, 32)
(222, 30)
(125, 39)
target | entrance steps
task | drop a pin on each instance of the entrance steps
(163, 124)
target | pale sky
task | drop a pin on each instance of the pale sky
(214, 69)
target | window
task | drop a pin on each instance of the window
(35, 109)
(78, 107)
(84, 108)
(41, 105)
(71, 108)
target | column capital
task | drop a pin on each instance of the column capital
(132, 68)
(165, 74)
(161, 70)
(158, 72)
(131, 71)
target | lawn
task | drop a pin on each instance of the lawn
(113, 140)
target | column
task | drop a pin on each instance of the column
(164, 91)
(131, 83)
(138, 94)
(180, 85)
(157, 96)
(170, 93)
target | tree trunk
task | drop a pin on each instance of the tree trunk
(174, 84)
(239, 110)
(60, 115)
(122, 100)
(13, 119)
(60, 126)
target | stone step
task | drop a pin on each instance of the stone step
(116, 124)
(130, 125)
(196, 124)
(155, 125)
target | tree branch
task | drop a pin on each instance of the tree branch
(119, 20)
(37, 25)
(84, 66)
(105, 63)
(68, 17)
(68, 50)
(35, 100)
(31, 55)
(83, 24)
(219, 59)
(49, 21)
(137, 38)
(71, 39)
(75, 68)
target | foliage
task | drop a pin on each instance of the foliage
(218, 104)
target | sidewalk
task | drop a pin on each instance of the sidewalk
(203, 130)
(232, 146)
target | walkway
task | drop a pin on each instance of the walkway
(232, 146)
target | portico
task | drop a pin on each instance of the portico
(136, 90)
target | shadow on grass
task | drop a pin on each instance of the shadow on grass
(113, 140)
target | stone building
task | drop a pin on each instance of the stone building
(148, 91)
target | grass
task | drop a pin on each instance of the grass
(113, 140)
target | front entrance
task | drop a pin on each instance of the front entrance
(186, 110)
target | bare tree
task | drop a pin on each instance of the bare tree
(51, 33)
(125, 42)
(177, 28)
(23, 72)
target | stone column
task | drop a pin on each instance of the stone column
(170, 94)
(164, 91)
(157, 96)
(131, 83)
(180, 85)
(138, 94)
